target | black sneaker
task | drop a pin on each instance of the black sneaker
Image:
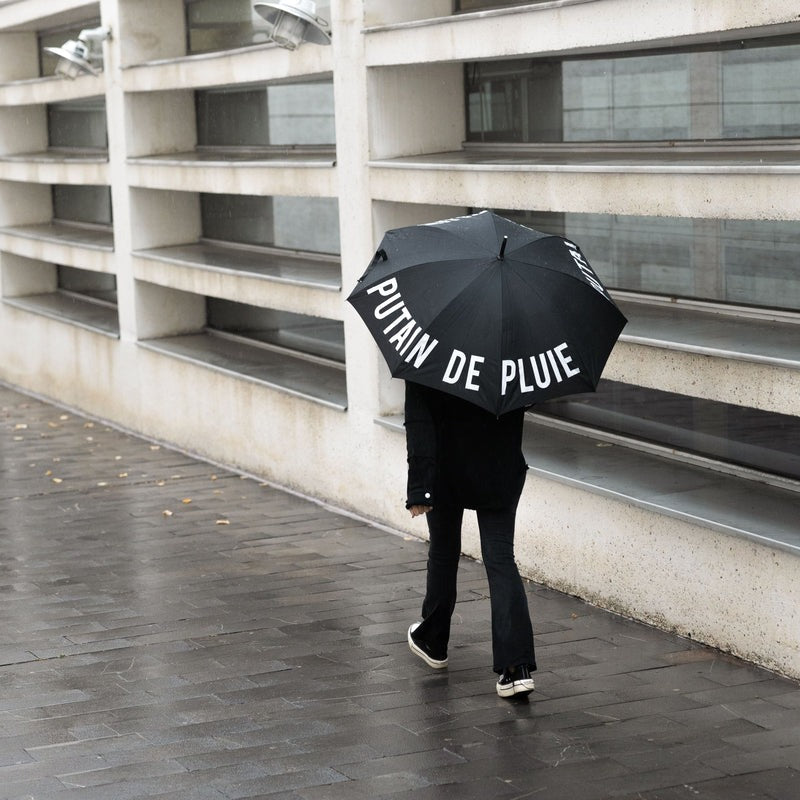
(423, 651)
(515, 681)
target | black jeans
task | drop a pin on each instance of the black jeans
(512, 633)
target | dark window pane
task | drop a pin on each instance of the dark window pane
(246, 219)
(479, 5)
(88, 204)
(96, 285)
(262, 116)
(78, 124)
(744, 262)
(294, 223)
(232, 118)
(746, 437)
(212, 25)
(746, 90)
(308, 335)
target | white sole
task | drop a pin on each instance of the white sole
(524, 686)
(417, 651)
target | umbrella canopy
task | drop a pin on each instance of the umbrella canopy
(489, 310)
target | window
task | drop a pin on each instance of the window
(733, 435)
(82, 204)
(294, 353)
(309, 224)
(295, 333)
(78, 124)
(55, 37)
(255, 116)
(480, 5)
(79, 297)
(98, 286)
(739, 91)
(212, 25)
(743, 262)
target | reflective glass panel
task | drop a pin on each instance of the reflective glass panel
(97, 285)
(744, 262)
(214, 25)
(747, 90)
(263, 116)
(746, 437)
(310, 224)
(78, 124)
(315, 336)
(85, 204)
(479, 5)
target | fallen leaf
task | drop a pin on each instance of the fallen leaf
(58, 480)
(20, 426)
(123, 475)
(53, 425)
(155, 446)
(102, 483)
(49, 472)
(167, 512)
(161, 483)
(223, 522)
(186, 501)
(64, 416)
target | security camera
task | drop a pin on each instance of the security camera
(83, 56)
(293, 22)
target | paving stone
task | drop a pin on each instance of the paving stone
(151, 655)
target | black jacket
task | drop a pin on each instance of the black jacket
(458, 448)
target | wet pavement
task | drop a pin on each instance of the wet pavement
(172, 629)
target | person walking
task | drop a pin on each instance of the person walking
(463, 457)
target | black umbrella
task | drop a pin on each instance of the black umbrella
(488, 310)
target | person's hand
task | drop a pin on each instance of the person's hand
(417, 510)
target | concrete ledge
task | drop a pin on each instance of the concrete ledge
(86, 313)
(308, 378)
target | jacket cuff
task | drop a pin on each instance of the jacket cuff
(420, 498)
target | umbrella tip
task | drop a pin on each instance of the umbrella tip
(503, 247)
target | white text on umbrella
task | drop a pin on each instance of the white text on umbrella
(543, 370)
(456, 366)
(409, 333)
(584, 267)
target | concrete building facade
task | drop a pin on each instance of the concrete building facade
(178, 234)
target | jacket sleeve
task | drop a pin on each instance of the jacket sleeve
(421, 446)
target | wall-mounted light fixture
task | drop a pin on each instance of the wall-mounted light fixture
(83, 56)
(294, 22)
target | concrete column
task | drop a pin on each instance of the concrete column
(355, 212)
